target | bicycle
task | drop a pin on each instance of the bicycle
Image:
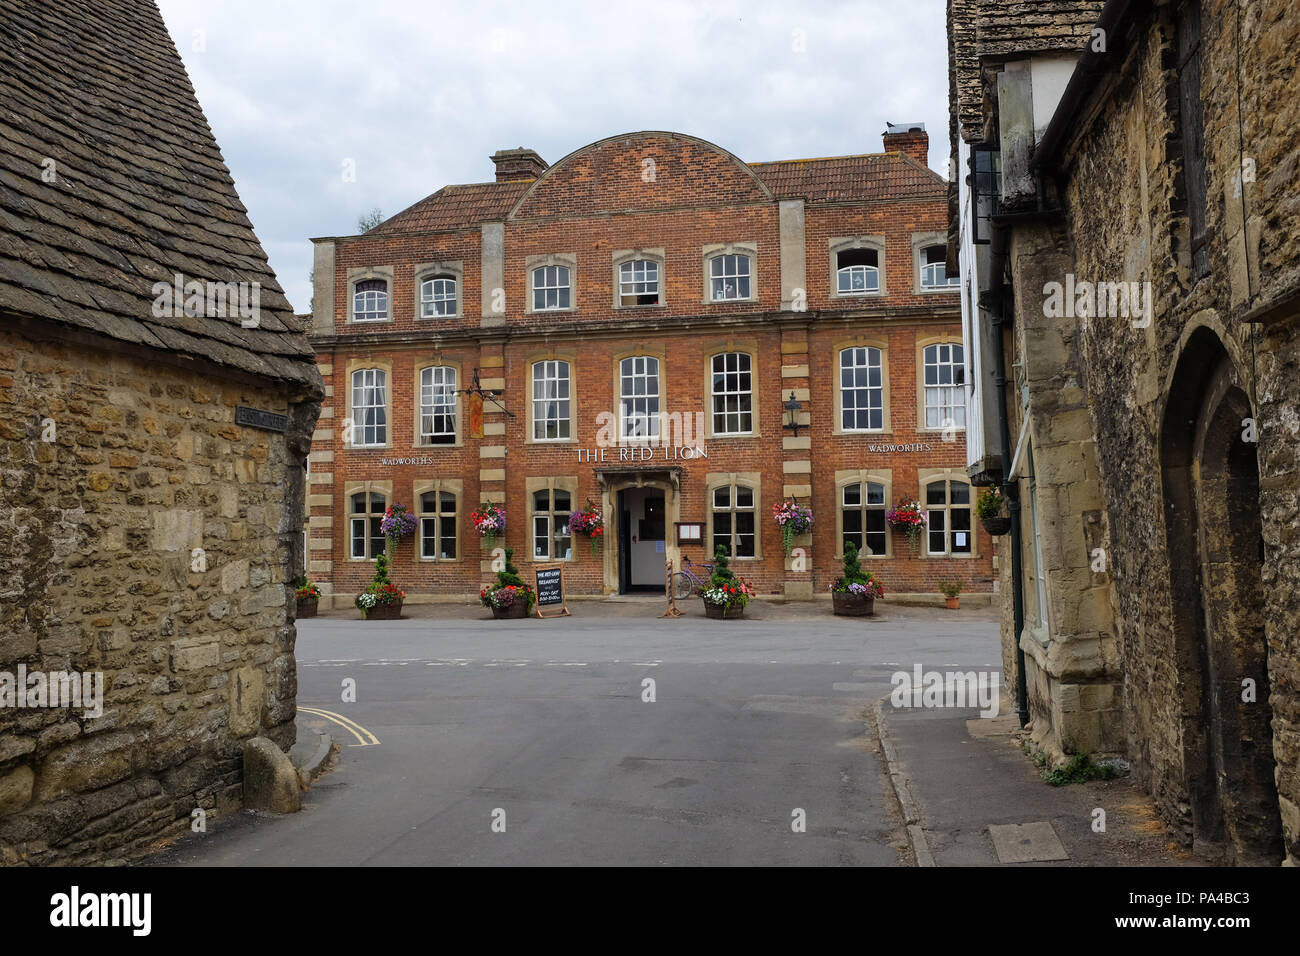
(686, 581)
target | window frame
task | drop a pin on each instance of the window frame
(749, 479)
(848, 244)
(921, 243)
(457, 422)
(949, 476)
(656, 436)
(429, 271)
(550, 485)
(439, 487)
(711, 429)
(554, 260)
(960, 389)
(862, 476)
(533, 401)
(719, 250)
(623, 257)
(386, 406)
(985, 190)
(840, 388)
(385, 491)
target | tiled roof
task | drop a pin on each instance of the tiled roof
(851, 178)
(139, 191)
(456, 207)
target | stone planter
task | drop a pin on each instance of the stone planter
(307, 607)
(848, 604)
(383, 612)
(720, 612)
(996, 526)
(517, 610)
(952, 603)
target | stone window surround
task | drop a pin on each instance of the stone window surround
(750, 479)
(850, 476)
(455, 486)
(655, 351)
(861, 341)
(384, 487)
(427, 270)
(361, 274)
(656, 255)
(356, 365)
(920, 241)
(418, 365)
(922, 343)
(924, 476)
(838, 244)
(712, 251)
(567, 259)
(552, 355)
(750, 348)
(567, 483)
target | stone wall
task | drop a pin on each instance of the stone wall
(98, 531)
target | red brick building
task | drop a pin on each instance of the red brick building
(629, 328)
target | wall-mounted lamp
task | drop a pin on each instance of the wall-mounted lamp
(792, 409)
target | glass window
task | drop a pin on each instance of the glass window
(728, 278)
(733, 521)
(552, 508)
(551, 401)
(948, 518)
(550, 288)
(934, 269)
(438, 405)
(370, 300)
(638, 282)
(986, 192)
(639, 397)
(438, 525)
(862, 391)
(857, 271)
(369, 407)
(945, 376)
(862, 517)
(367, 512)
(733, 394)
(438, 296)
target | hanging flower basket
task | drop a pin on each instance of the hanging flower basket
(793, 519)
(396, 524)
(989, 508)
(590, 522)
(908, 517)
(489, 521)
(997, 525)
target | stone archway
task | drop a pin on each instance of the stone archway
(1215, 547)
(613, 480)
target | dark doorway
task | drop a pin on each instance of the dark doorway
(1215, 545)
(641, 540)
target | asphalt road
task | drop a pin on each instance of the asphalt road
(543, 726)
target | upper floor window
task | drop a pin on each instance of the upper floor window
(945, 374)
(733, 394)
(857, 271)
(638, 282)
(370, 300)
(366, 514)
(438, 525)
(729, 277)
(369, 407)
(934, 269)
(733, 520)
(986, 191)
(438, 405)
(438, 296)
(551, 408)
(862, 517)
(948, 525)
(862, 390)
(639, 397)
(551, 288)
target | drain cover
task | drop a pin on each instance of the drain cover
(1027, 843)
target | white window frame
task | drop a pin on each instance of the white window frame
(375, 314)
(931, 270)
(744, 396)
(719, 273)
(556, 531)
(431, 296)
(435, 517)
(563, 278)
(733, 507)
(378, 406)
(865, 505)
(949, 404)
(550, 377)
(651, 400)
(851, 390)
(946, 510)
(438, 390)
(873, 272)
(369, 521)
(627, 286)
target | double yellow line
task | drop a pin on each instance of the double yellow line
(364, 737)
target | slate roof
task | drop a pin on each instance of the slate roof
(456, 207)
(140, 190)
(851, 178)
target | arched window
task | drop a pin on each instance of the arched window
(948, 517)
(862, 517)
(438, 525)
(369, 407)
(438, 297)
(945, 377)
(370, 300)
(551, 288)
(857, 271)
(729, 277)
(552, 508)
(638, 282)
(438, 405)
(366, 513)
(639, 397)
(733, 394)
(551, 398)
(862, 390)
(733, 520)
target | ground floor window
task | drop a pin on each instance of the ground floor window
(733, 521)
(438, 525)
(551, 510)
(367, 511)
(862, 517)
(948, 517)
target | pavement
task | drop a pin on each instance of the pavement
(615, 737)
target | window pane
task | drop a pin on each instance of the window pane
(447, 536)
(744, 497)
(875, 493)
(934, 493)
(853, 494)
(960, 494)
(541, 536)
(428, 537)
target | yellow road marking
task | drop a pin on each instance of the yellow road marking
(349, 725)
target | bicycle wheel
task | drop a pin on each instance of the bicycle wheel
(682, 586)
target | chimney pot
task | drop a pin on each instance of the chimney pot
(518, 163)
(910, 139)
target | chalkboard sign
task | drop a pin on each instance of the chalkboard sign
(550, 591)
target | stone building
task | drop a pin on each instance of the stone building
(631, 328)
(1129, 224)
(156, 406)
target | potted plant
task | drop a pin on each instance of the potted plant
(588, 521)
(854, 593)
(509, 596)
(907, 516)
(489, 521)
(989, 508)
(950, 591)
(308, 595)
(793, 519)
(381, 600)
(726, 595)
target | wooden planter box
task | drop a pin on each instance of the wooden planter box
(721, 612)
(996, 526)
(516, 610)
(307, 607)
(853, 605)
(383, 612)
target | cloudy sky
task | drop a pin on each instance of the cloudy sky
(420, 94)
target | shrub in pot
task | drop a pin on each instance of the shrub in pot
(854, 593)
(989, 508)
(950, 590)
(726, 594)
(508, 596)
(381, 600)
(308, 596)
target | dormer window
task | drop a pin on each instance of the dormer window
(857, 271)
(370, 301)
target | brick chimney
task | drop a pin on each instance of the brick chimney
(909, 138)
(518, 163)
